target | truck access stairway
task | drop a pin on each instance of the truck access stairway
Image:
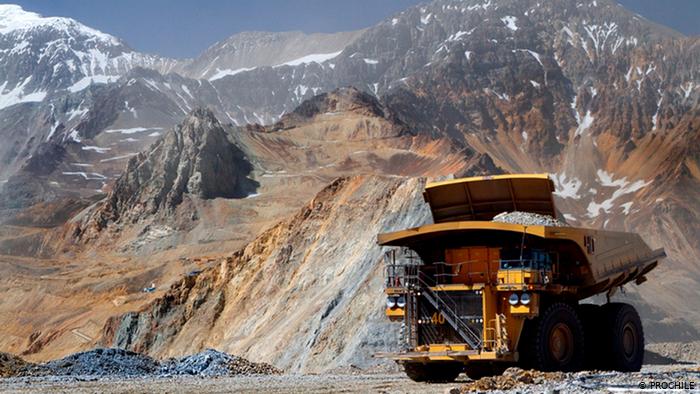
(405, 274)
(446, 306)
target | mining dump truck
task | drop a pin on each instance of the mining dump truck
(476, 295)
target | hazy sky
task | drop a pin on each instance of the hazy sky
(182, 28)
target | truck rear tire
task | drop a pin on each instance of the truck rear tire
(433, 372)
(555, 340)
(623, 336)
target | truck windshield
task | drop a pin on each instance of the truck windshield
(530, 259)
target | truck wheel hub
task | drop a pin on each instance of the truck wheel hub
(561, 343)
(629, 340)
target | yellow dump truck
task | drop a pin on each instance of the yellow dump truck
(476, 295)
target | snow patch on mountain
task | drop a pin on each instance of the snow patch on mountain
(583, 124)
(89, 80)
(14, 19)
(622, 186)
(77, 112)
(313, 58)
(483, 6)
(86, 175)
(224, 73)
(566, 187)
(121, 157)
(96, 149)
(509, 21)
(17, 95)
(655, 118)
(687, 89)
(132, 130)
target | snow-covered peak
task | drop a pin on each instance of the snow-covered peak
(39, 55)
(14, 19)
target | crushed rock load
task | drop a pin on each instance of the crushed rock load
(512, 378)
(124, 363)
(214, 363)
(527, 219)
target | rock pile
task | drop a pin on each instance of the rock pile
(101, 362)
(512, 378)
(123, 363)
(214, 363)
(527, 219)
(677, 351)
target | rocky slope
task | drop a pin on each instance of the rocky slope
(242, 305)
(114, 248)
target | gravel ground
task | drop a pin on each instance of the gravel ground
(516, 380)
(587, 382)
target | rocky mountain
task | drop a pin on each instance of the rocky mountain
(493, 55)
(195, 159)
(102, 102)
(603, 99)
(248, 50)
(41, 55)
(51, 68)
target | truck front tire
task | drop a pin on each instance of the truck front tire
(554, 340)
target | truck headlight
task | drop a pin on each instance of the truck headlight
(525, 298)
(401, 301)
(513, 300)
(390, 302)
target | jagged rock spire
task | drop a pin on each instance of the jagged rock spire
(195, 158)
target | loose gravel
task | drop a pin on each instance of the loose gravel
(527, 219)
(99, 363)
(214, 363)
(516, 380)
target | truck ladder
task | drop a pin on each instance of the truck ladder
(407, 276)
(448, 311)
